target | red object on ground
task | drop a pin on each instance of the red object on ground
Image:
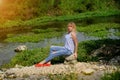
(47, 64)
(42, 65)
(38, 65)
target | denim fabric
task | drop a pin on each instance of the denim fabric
(56, 51)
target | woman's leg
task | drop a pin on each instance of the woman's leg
(57, 53)
(53, 50)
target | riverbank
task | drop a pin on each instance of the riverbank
(85, 50)
(80, 70)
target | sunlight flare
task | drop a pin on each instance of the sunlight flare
(1, 1)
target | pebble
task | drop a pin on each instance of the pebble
(88, 71)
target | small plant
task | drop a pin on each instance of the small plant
(111, 76)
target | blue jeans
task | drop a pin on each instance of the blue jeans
(56, 51)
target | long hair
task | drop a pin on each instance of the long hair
(73, 25)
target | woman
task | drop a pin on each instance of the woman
(70, 46)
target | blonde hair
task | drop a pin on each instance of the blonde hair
(73, 25)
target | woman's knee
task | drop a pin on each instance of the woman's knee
(52, 48)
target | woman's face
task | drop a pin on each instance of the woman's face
(69, 28)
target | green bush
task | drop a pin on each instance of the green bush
(111, 76)
(85, 48)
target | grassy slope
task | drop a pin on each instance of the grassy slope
(99, 30)
(45, 20)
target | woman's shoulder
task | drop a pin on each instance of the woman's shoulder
(73, 33)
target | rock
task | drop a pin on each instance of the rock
(70, 59)
(82, 68)
(102, 68)
(115, 61)
(10, 75)
(18, 66)
(87, 71)
(107, 50)
(1, 75)
(20, 48)
(1, 78)
(1, 72)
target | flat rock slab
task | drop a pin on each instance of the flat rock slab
(80, 68)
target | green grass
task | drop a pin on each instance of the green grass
(111, 76)
(117, 33)
(35, 36)
(28, 57)
(46, 19)
(31, 57)
(98, 30)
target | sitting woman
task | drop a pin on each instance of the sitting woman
(70, 46)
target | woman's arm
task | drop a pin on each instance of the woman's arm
(74, 37)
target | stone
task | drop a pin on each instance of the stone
(1, 72)
(1, 75)
(107, 50)
(70, 59)
(20, 48)
(87, 71)
(102, 68)
(1, 78)
(10, 75)
(18, 66)
(115, 61)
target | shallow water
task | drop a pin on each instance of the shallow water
(7, 49)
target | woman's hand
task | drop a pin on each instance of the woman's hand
(75, 55)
